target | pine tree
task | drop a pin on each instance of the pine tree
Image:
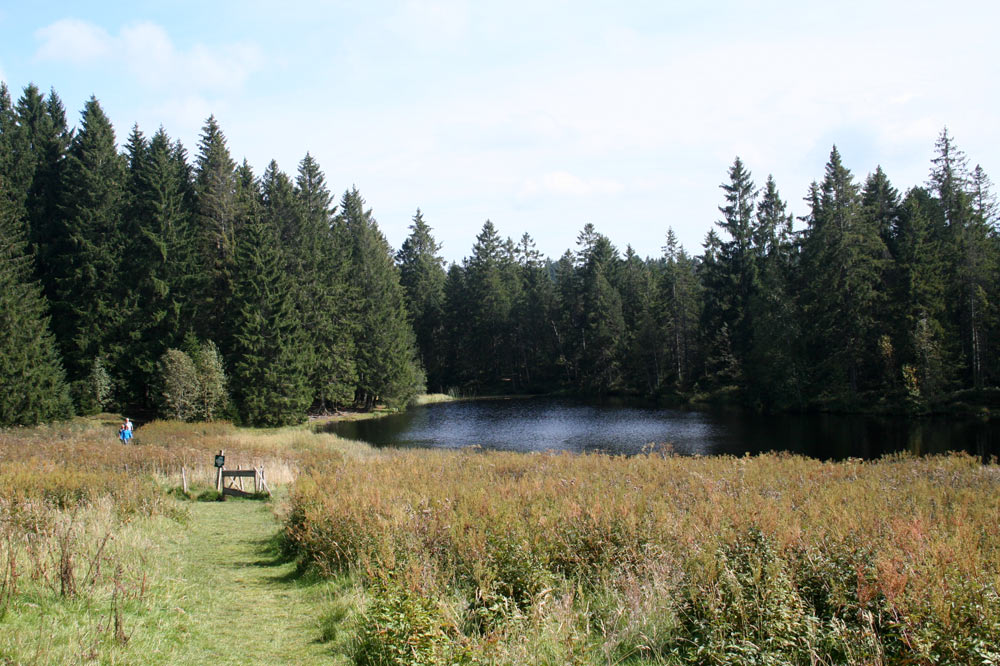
(34, 386)
(421, 273)
(217, 219)
(603, 323)
(967, 240)
(532, 315)
(387, 366)
(490, 302)
(269, 375)
(327, 298)
(160, 257)
(41, 137)
(636, 286)
(918, 286)
(737, 256)
(774, 374)
(88, 313)
(680, 311)
(843, 263)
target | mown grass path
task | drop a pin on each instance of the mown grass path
(241, 603)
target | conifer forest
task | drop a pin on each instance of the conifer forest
(133, 271)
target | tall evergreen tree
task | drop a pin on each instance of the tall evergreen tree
(89, 255)
(327, 298)
(603, 322)
(387, 366)
(490, 304)
(421, 273)
(217, 219)
(34, 386)
(533, 316)
(774, 361)
(161, 263)
(268, 369)
(971, 256)
(680, 308)
(844, 263)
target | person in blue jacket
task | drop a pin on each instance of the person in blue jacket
(125, 433)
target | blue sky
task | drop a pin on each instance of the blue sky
(541, 116)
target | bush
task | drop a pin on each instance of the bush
(193, 387)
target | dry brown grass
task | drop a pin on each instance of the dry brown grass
(773, 559)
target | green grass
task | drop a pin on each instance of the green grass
(103, 560)
(213, 589)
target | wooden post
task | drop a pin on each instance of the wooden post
(239, 468)
(184, 480)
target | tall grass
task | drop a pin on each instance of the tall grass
(78, 515)
(777, 559)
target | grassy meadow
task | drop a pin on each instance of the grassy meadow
(472, 557)
(476, 557)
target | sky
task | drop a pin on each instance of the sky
(541, 116)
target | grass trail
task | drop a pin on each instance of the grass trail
(243, 604)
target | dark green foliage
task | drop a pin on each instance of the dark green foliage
(160, 260)
(217, 218)
(387, 366)
(422, 276)
(881, 299)
(34, 386)
(603, 327)
(320, 258)
(844, 257)
(268, 363)
(90, 309)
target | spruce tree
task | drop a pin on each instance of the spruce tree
(971, 257)
(269, 375)
(387, 366)
(533, 314)
(844, 260)
(489, 308)
(603, 323)
(327, 298)
(422, 276)
(217, 218)
(774, 362)
(160, 264)
(89, 251)
(34, 386)
(679, 306)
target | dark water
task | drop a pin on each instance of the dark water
(540, 424)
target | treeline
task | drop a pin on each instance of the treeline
(881, 298)
(138, 252)
(116, 265)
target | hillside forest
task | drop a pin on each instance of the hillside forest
(145, 277)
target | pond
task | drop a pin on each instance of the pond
(545, 424)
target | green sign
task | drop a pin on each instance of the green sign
(220, 461)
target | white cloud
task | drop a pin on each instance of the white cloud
(73, 40)
(146, 50)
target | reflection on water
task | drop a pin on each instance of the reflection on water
(541, 424)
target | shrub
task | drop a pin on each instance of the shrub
(193, 386)
(180, 386)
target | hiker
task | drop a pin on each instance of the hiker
(128, 425)
(125, 432)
